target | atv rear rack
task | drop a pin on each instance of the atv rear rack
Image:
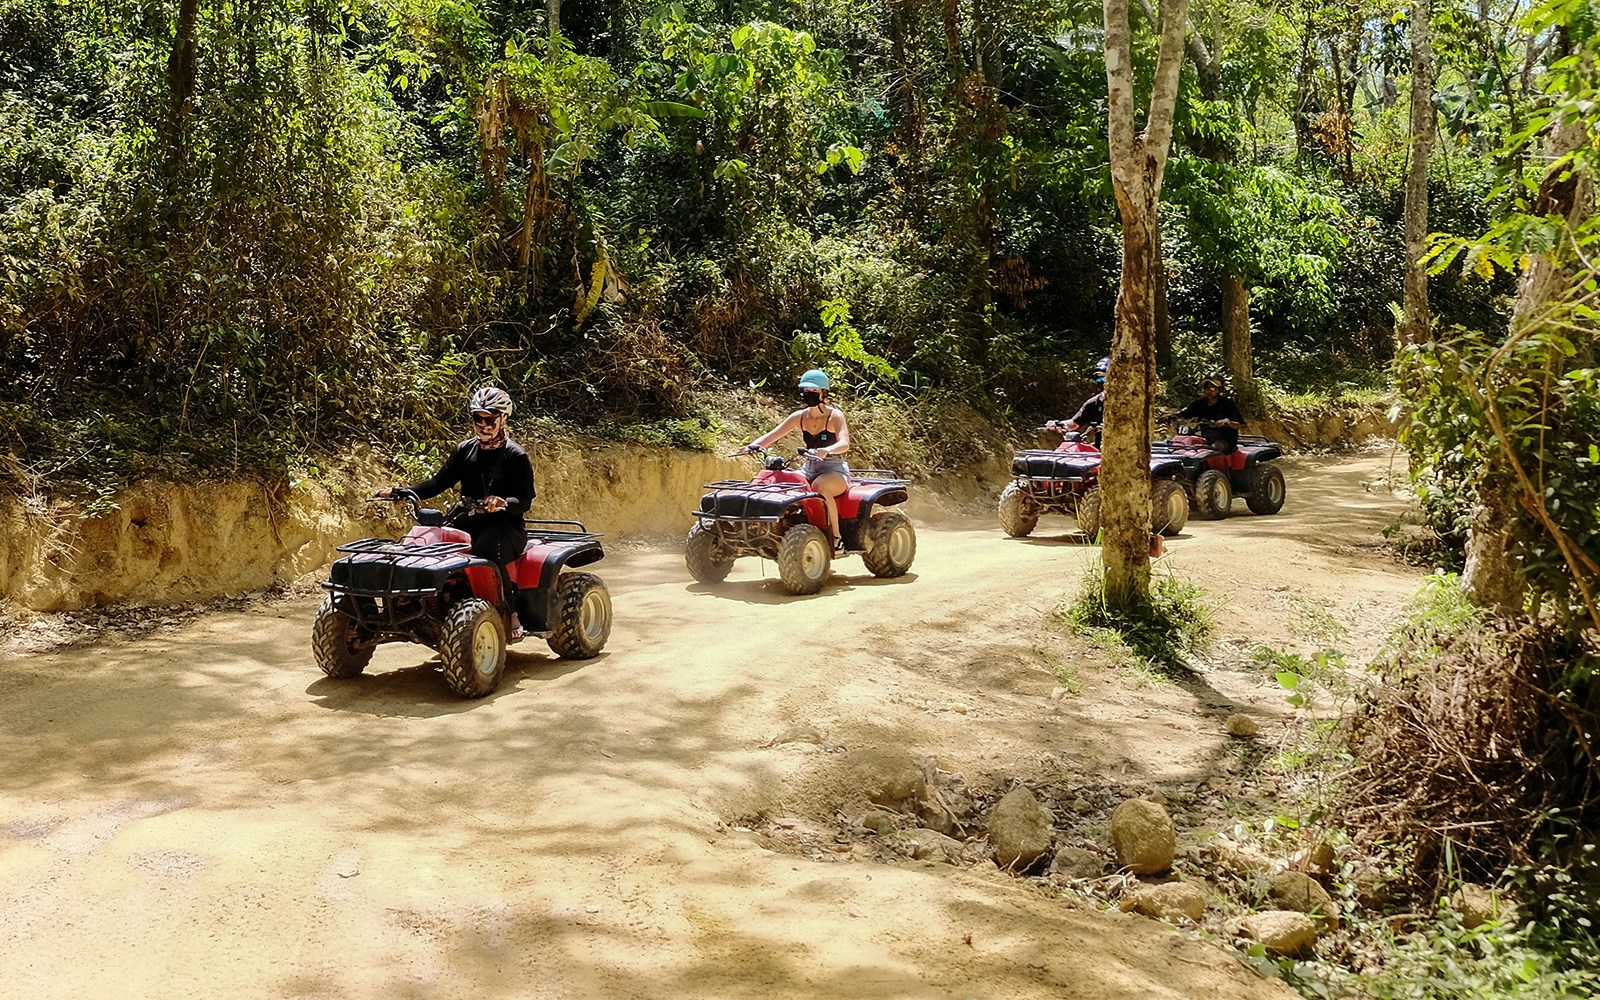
(558, 531)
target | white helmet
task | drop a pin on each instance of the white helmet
(490, 400)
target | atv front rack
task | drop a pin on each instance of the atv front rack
(390, 547)
(742, 500)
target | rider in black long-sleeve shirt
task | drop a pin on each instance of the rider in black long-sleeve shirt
(1221, 412)
(492, 468)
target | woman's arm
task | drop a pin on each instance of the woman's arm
(448, 475)
(842, 445)
(789, 424)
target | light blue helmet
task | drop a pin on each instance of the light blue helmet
(1101, 368)
(816, 378)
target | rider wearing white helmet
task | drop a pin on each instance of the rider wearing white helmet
(490, 467)
(1093, 411)
(827, 437)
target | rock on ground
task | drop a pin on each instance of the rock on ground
(1298, 891)
(1283, 932)
(930, 845)
(1143, 836)
(1478, 905)
(1078, 863)
(1020, 830)
(1167, 901)
(1242, 725)
(887, 779)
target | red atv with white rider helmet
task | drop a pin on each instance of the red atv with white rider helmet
(778, 516)
(428, 587)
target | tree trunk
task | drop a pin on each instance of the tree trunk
(1236, 353)
(1490, 576)
(552, 17)
(1163, 317)
(1417, 323)
(182, 66)
(1137, 165)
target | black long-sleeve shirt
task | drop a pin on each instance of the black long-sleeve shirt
(1224, 438)
(503, 472)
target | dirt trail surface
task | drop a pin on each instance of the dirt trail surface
(197, 812)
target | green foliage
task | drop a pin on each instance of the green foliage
(1176, 622)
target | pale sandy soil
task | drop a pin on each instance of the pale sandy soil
(198, 813)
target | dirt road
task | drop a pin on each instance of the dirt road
(197, 812)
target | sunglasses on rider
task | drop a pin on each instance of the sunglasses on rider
(486, 419)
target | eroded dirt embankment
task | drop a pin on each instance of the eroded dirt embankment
(169, 543)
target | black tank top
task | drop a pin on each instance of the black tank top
(822, 438)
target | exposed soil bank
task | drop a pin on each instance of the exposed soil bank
(169, 543)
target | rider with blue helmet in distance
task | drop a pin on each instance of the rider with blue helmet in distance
(827, 437)
(1093, 411)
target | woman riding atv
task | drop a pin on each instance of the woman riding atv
(1093, 411)
(496, 481)
(826, 436)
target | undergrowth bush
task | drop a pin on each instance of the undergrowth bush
(1175, 623)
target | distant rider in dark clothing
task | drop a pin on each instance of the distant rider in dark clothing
(1093, 411)
(492, 468)
(1222, 433)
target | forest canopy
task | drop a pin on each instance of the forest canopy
(271, 222)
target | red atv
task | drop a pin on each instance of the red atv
(779, 516)
(429, 588)
(1066, 480)
(1213, 480)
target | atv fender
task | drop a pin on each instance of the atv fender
(536, 599)
(871, 497)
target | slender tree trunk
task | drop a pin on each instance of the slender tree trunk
(552, 17)
(1236, 353)
(1417, 323)
(182, 65)
(1138, 162)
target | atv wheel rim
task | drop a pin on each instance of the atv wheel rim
(485, 649)
(900, 544)
(594, 616)
(1274, 490)
(1177, 506)
(814, 559)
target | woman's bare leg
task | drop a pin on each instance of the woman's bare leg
(831, 485)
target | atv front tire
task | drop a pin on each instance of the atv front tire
(1088, 514)
(1019, 513)
(804, 559)
(341, 648)
(472, 647)
(1169, 507)
(705, 557)
(583, 616)
(1212, 495)
(893, 544)
(1267, 496)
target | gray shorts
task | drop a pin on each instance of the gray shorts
(815, 467)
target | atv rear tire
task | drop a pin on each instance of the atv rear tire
(583, 616)
(472, 647)
(704, 556)
(1169, 507)
(1267, 495)
(1212, 495)
(1019, 514)
(893, 544)
(337, 642)
(804, 558)
(1088, 514)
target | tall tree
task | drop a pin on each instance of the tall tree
(1414, 329)
(181, 69)
(1138, 162)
